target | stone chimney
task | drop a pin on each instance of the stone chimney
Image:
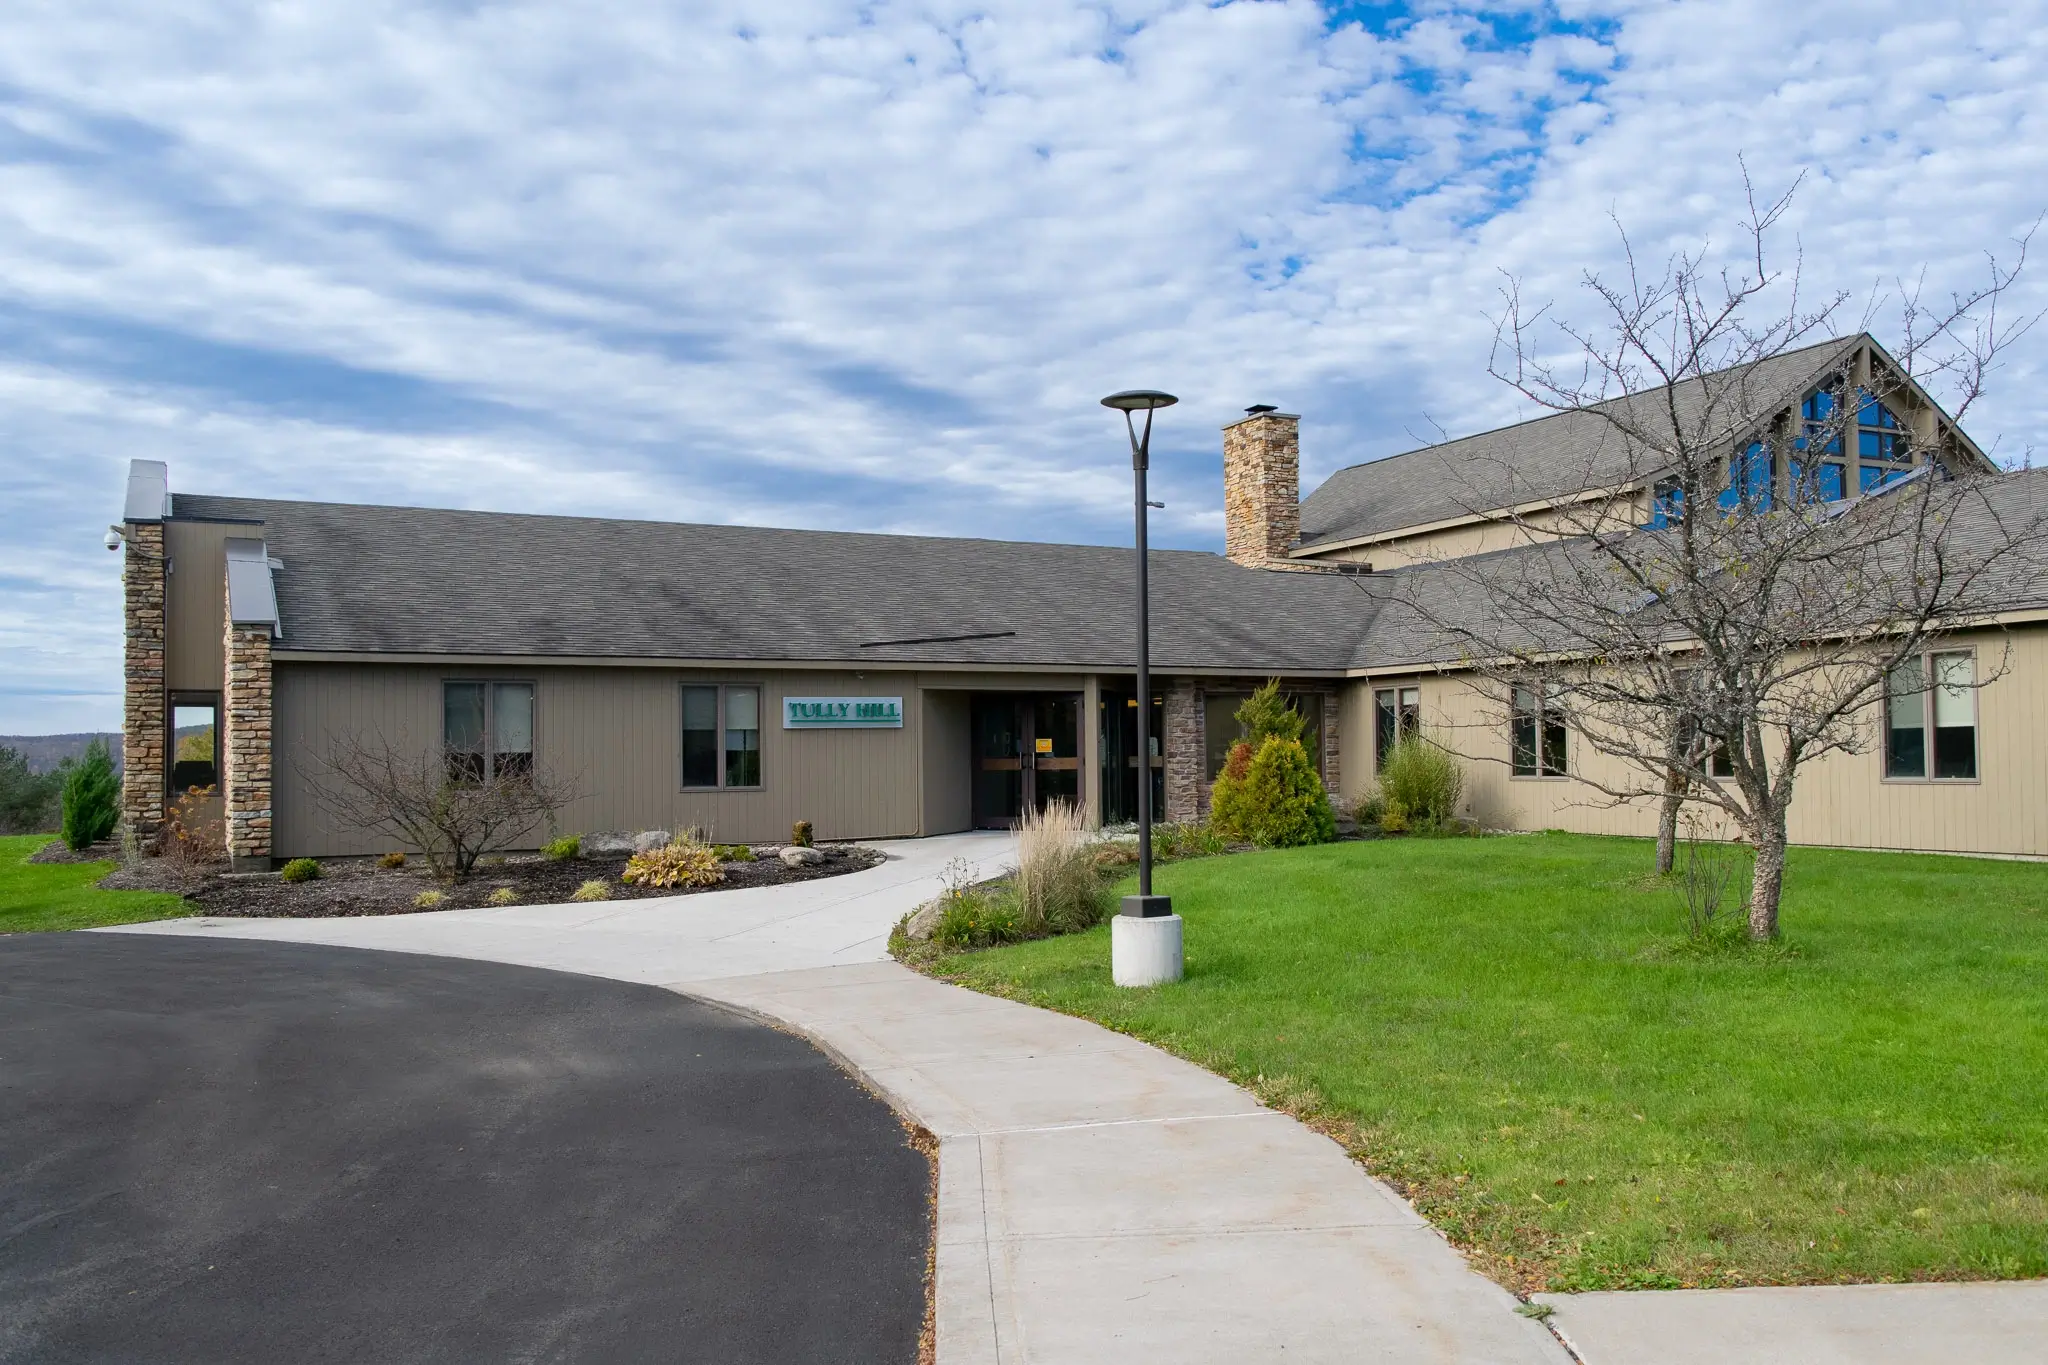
(1261, 486)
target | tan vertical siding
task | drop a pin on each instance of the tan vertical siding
(1842, 800)
(195, 602)
(948, 763)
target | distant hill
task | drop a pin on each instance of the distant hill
(45, 752)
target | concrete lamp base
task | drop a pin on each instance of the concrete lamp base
(1144, 951)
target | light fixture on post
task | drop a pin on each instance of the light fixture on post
(1145, 940)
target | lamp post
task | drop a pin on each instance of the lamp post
(1145, 941)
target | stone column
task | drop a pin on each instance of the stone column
(1091, 751)
(1184, 751)
(1331, 749)
(145, 730)
(245, 718)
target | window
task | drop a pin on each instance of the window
(487, 729)
(1947, 710)
(1220, 729)
(1818, 480)
(1750, 476)
(1667, 504)
(1713, 757)
(721, 736)
(1396, 714)
(1535, 735)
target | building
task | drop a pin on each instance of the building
(737, 679)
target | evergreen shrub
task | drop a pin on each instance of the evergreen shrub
(92, 798)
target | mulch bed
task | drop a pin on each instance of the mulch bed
(357, 886)
(57, 851)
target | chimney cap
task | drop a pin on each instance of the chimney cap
(1255, 409)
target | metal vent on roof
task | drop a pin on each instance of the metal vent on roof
(1255, 409)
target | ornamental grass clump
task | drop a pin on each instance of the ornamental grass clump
(1420, 787)
(1058, 888)
(563, 849)
(976, 918)
(592, 890)
(430, 900)
(391, 861)
(684, 863)
(504, 895)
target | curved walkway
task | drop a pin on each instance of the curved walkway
(252, 1152)
(1099, 1199)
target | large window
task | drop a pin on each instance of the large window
(1396, 714)
(1220, 729)
(487, 729)
(1536, 740)
(1930, 731)
(721, 737)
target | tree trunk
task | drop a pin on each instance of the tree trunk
(1667, 822)
(1768, 882)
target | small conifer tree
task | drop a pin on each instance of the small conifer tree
(92, 798)
(1280, 803)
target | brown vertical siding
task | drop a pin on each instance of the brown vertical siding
(1842, 799)
(195, 602)
(948, 763)
(616, 732)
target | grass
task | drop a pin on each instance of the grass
(40, 896)
(1510, 1032)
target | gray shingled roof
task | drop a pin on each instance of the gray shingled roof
(1417, 612)
(1547, 457)
(422, 581)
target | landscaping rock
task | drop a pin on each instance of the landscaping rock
(608, 845)
(923, 921)
(794, 856)
(648, 840)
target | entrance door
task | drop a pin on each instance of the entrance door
(1027, 753)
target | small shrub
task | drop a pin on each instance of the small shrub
(92, 798)
(1280, 803)
(1370, 809)
(682, 863)
(1423, 782)
(734, 853)
(1229, 805)
(192, 830)
(592, 890)
(504, 895)
(1266, 713)
(392, 861)
(1191, 839)
(1058, 890)
(430, 900)
(976, 919)
(800, 834)
(563, 849)
(300, 870)
(1393, 818)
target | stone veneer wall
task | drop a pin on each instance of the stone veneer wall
(245, 716)
(144, 727)
(1261, 488)
(1183, 740)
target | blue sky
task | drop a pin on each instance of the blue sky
(869, 265)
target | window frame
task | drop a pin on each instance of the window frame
(1406, 721)
(1302, 702)
(1543, 698)
(490, 720)
(722, 755)
(1927, 778)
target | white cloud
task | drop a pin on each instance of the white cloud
(870, 265)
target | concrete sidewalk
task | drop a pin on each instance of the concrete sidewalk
(1099, 1199)
(1856, 1324)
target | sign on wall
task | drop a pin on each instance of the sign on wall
(842, 713)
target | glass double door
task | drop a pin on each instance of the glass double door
(1027, 754)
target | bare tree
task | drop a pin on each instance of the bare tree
(1709, 599)
(450, 810)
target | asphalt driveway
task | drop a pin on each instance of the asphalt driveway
(231, 1151)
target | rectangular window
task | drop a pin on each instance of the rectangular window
(1750, 476)
(1946, 711)
(1536, 740)
(721, 736)
(1397, 714)
(1220, 729)
(487, 729)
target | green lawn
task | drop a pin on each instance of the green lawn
(36, 896)
(1500, 1028)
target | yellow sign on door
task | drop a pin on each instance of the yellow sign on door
(1045, 746)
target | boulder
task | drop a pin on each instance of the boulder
(610, 843)
(648, 840)
(795, 856)
(923, 922)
